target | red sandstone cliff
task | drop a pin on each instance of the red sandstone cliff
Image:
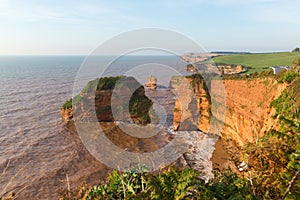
(192, 107)
(248, 113)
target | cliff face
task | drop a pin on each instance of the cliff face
(192, 107)
(99, 103)
(127, 102)
(248, 112)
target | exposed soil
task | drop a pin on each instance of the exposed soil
(226, 156)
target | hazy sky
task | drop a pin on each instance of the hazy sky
(68, 27)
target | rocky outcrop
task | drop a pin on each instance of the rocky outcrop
(192, 107)
(66, 114)
(198, 155)
(231, 69)
(151, 83)
(127, 102)
(248, 113)
(191, 68)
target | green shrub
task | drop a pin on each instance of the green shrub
(287, 76)
(77, 99)
(104, 83)
(174, 184)
(228, 185)
(107, 83)
(67, 104)
(140, 105)
(119, 186)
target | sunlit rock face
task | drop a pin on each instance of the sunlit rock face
(151, 83)
(66, 114)
(192, 107)
(248, 113)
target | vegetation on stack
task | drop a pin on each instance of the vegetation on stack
(140, 105)
(104, 83)
(67, 104)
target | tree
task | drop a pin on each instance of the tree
(297, 49)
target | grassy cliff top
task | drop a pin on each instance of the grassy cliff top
(258, 61)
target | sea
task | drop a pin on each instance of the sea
(39, 157)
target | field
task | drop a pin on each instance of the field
(258, 61)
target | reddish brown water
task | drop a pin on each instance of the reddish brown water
(37, 152)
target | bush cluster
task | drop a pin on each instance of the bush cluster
(286, 76)
(276, 156)
(172, 184)
(67, 104)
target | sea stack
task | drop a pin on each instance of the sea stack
(151, 83)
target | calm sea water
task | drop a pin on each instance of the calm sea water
(36, 152)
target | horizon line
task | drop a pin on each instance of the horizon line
(214, 51)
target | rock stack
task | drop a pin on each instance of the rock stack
(151, 83)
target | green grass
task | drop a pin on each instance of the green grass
(259, 61)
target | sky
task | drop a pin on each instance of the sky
(68, 27)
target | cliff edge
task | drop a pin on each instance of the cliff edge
(248, 113)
